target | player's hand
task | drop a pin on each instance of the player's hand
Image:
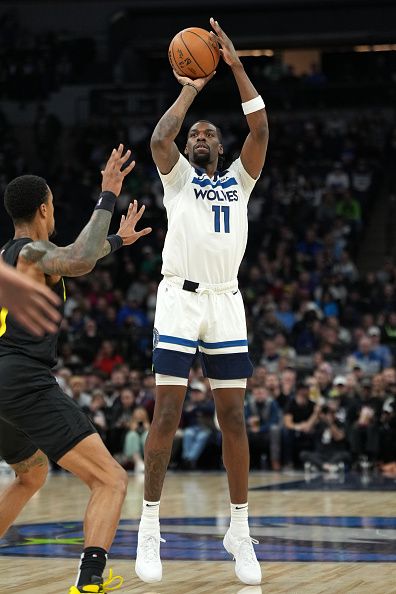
(113, 174)
(33, 305)
(227, 49)
(128, 223)
(197, 83)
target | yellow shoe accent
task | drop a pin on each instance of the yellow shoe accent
(110, 579)
(100, 589)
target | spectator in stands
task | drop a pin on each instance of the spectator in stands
(107, 357)
(387, 453)
(369, 360)
(324, 376)
(337, 179)
(198, 417)
(272, 384)
(286, 352)
(135, 438)
(306, 333)
(346, 268)
(89, 341)
(349, 209)
(120, 419)
(271, 358)
(361, 182)
(263, 421)
(300, 417)
(77, 386)
(285, 314)
(287, 387)
(330, 451)
(96, 410)
(363, 435)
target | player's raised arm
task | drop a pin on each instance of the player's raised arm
(163, 147)
(81, 256)
(255, 146)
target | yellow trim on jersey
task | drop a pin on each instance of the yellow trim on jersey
(64, 289)
(3, 323)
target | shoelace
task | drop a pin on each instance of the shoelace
(205, 290)
(111, 579)
(246, 549)
(149, 547)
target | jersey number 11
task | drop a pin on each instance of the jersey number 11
(217, 218)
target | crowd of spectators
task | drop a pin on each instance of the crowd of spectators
(322, 335)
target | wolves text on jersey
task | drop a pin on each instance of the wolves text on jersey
(219, 195)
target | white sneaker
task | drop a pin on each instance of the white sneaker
(148, 564)
(247, 568)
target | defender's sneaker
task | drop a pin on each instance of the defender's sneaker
(148, 564)
(247, 568)
(99, 586)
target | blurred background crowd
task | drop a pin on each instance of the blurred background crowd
(320, 295)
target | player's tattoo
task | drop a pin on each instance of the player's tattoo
(155, 463)
(105, 250)
(169, 125)
(38, 459)
(75, 259)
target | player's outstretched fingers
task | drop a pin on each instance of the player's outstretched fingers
(143, 232)
(110, 161)
(51, 298)
(38, 315)
(139, 214)
(215, 37)
(215, 25)
(26, 321)
(125, 157)
(128, 169)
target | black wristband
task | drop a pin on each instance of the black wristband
(106, 201)
(115, 242)
(191, 85)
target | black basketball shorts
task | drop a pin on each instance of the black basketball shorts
(35, 414)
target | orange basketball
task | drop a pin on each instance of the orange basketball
(193, 53)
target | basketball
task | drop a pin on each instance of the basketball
(194, 53)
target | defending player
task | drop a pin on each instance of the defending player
(199, 304)
(37, 420)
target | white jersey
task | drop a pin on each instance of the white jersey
(207, 222)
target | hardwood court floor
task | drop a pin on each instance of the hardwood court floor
(193, 498)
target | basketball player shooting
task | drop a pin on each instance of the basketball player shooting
(199, 304)
(37, 420)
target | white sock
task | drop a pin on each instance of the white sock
(150, 516)
(239, 520)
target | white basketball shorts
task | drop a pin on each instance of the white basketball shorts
(210, 319)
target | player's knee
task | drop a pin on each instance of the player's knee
(118, 480)
(167, 420)
(35, 478)
(232, 420)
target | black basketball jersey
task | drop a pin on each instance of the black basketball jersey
(14, 339)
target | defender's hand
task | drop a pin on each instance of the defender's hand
(33, 305)
(128, 223)
(112, 176)
(197, 83)
(227, 51)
